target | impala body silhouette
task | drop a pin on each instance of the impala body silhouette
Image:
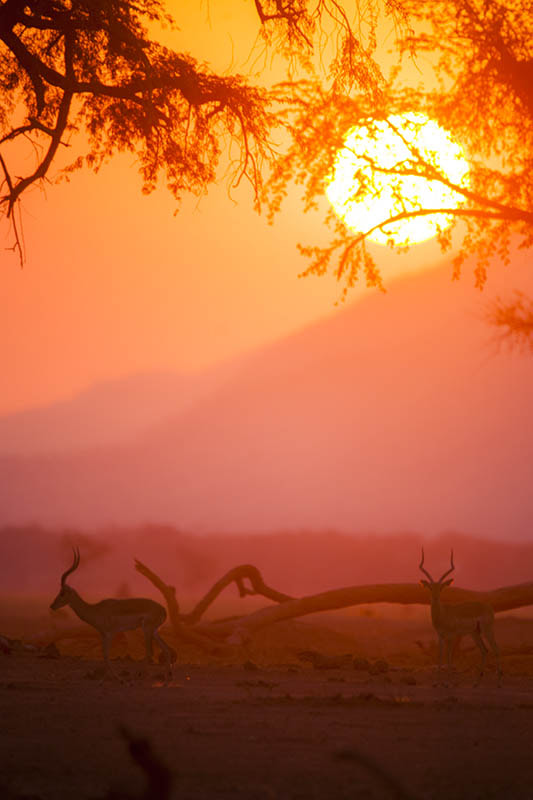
(451, 621)
(113, 616)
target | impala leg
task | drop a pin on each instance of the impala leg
(489, 636)
(439, 669)
(148, 642)
(167, 651)
(107, 638)
(450, 641)
(476, 636)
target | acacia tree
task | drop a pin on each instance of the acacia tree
(478, 65)
(89, 67)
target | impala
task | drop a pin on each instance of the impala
(112, 616)
(472, 618)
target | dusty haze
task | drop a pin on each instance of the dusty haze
(398, 412)
(298, 563)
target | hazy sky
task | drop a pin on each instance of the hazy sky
(115, 283)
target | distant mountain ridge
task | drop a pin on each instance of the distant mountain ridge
(396, 413)
(108, 412)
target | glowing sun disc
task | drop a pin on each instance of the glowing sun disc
(363, 199)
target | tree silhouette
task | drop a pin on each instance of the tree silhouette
(89, 67)
(475, 61)
(87, 74)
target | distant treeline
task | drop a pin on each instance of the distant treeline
(298, 563)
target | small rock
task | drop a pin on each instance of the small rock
(361, 664)
(250, 666)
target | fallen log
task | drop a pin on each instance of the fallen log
(238, 575)
(238, 631)
(182, 623)
(505, 598)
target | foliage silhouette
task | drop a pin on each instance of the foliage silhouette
(90, 66)
(513, 320)
(478, 72)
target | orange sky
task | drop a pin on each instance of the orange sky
(115, 284)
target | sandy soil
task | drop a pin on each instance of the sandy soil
(363, 718)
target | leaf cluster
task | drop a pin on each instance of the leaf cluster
(513, 321)
(87, 75)
(476, 61)
(89, 67)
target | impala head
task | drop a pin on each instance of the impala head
(65, 593)
(436, 587)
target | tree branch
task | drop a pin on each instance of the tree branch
(169, 593)
(237, 575)
(238, 631)
(503, 599)
(459, 211)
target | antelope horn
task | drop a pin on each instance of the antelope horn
(424, 570)
(75, 565)
(449, 570)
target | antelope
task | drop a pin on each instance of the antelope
(113, 616)
(472, 618)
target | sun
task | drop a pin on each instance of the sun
(364, 197)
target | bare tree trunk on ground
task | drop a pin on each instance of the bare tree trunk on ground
(503, 599)
(238, 631)
(237, 575)
(169, 593)
(181, 622)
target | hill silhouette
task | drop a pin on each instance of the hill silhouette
(395, 413)
(112, 411)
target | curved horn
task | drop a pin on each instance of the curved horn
(75, 565)
(449, 570)
(421, 567)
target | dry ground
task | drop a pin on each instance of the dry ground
(270, 723)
